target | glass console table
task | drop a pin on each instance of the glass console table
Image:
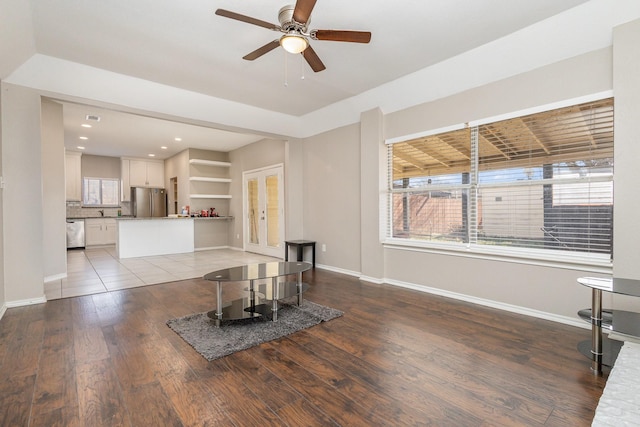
(604, 351)
(256, 304)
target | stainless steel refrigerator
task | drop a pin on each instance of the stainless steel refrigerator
(148, 202)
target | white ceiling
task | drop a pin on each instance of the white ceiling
(119, 134)
(184, 45)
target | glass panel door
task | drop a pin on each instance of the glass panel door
(272, 211)
(253, 211)
(264, 211)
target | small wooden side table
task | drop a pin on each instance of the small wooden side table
(300, 245)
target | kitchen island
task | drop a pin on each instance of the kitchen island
(138, 237)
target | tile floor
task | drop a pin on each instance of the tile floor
(95, 270)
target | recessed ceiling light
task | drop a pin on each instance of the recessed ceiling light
(178, 139)
(80, 147)
(151, 155)
(84, 137)
(163, 148)
(85, 125)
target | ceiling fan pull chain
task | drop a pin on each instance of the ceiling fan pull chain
(301, 67)
(286, 80)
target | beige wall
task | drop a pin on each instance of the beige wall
(568, 79)
(54, 244)
(294, 176)
(258, 155)
(332, 187)
(373, 161)
(99, 166)
(339, 180)
(22, 205)
(210, 233)
(531, 288)
(178, 167)
(626, 85)
(3, 298)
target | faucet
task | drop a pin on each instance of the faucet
(101, 212)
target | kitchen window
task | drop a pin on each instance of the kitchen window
(533, 185)
(100, 192)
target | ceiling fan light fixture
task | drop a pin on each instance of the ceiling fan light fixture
(294, 42)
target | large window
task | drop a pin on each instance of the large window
(543, 182)
(100, 192)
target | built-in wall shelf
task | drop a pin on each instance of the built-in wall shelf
(208, 179)
(210, 196)
(209, 163)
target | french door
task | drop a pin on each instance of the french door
(264, 211)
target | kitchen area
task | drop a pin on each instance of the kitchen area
(124, 202)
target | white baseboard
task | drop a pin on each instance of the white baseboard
(370, 279)
(3, 310)
(55, 277)
(338, 270)
(30, 301)
(493, 304)
(462, 297)
(210, 248)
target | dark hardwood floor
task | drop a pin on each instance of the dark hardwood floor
(396, 357)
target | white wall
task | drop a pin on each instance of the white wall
(22, 204)
(54, 244)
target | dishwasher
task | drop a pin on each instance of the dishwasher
(75, 233)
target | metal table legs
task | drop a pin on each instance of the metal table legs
(218, 304)
(275, 292)
(596, 331)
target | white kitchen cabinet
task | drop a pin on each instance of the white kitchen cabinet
(110, 231)
(146, 173)
(125, 191)
(100, 231)
(155, 174)
(73, 175)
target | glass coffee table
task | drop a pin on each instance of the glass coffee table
(257, 303)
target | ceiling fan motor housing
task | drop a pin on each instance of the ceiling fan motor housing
(285, 17)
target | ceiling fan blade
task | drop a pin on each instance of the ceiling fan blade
(262, 50)
(342, 36)
(302, 11)
(313, 59)
(247, 19)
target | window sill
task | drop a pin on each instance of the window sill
(599, 264)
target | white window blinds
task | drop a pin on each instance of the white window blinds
(541, 181)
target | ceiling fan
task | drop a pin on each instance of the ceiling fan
(294, 24)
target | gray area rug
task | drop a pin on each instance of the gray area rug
(199, 331)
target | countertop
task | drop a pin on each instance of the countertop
(214, 218)
(131, 217)
(99, 217)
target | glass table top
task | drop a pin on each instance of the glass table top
(257, 271)
(614, 285)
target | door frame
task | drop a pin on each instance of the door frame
(264, 171)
